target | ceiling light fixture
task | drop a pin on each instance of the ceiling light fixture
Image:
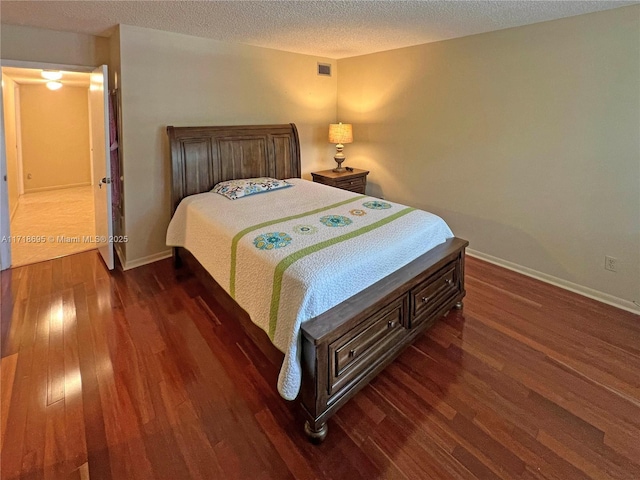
(54, 85)
(51, 74)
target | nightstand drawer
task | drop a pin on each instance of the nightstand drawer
(351, 183)
(355, 189)
(354, 181)
(354, 352)
(432, 293)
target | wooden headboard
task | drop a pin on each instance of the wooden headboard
(204, 156)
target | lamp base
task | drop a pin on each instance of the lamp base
(339, 161)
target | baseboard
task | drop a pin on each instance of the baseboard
(57, 187)
(15, 208)
(529, 272)
(138, 262)
(558, 282)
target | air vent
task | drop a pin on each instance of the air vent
(324, 69)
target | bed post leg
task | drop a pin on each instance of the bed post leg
(459, 305)
(316, 435)
(177, 261)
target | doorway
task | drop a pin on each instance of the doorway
(56, 155)
(47, 138)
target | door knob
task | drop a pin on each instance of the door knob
(104, 180)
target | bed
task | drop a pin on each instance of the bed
(328, 292)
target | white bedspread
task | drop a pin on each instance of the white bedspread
(289, 255)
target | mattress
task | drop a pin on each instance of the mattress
(288, 255)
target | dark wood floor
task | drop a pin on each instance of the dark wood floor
(134, 376)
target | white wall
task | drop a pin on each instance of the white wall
(525, 140)
(174, 79)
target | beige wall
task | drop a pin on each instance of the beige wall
(173, 79)
(525, 140)
(9, 105)
(55, 137)
(50, 46)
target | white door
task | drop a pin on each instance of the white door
(5, 245)
(101, 159)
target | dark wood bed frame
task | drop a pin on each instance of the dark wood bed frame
(348, 345)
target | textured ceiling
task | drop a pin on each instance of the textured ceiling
(334, 29)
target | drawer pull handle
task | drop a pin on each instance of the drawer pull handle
(352, 353)
(391, 324)
(425, 299)
(350, 183)
(449, 282)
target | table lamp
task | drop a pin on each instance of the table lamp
(340, 133)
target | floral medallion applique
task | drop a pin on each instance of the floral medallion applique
(335, 221)
(269, 241)
(357, 212)
(377, 205)
(305, 229)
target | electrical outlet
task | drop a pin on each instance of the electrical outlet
(610, 263)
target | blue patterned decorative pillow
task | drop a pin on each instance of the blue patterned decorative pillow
(234, 189)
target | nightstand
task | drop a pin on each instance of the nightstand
(355, 181)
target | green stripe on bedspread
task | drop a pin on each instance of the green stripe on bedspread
(239, 235)
(289, 260)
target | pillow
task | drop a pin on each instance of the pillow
(234, 189)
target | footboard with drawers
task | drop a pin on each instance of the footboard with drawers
(345, 347)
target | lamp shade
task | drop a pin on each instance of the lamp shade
(340, 133)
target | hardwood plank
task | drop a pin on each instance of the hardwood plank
(55, 361)
(12, 315)
(7, 375)
(74, 424)
(540, 458)
(122, 426)
(295, 461)
(16, 431)
(8, 282)
(473, 464)
(33, 451)
(98, 455)
(387, 466)
(55, 460)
